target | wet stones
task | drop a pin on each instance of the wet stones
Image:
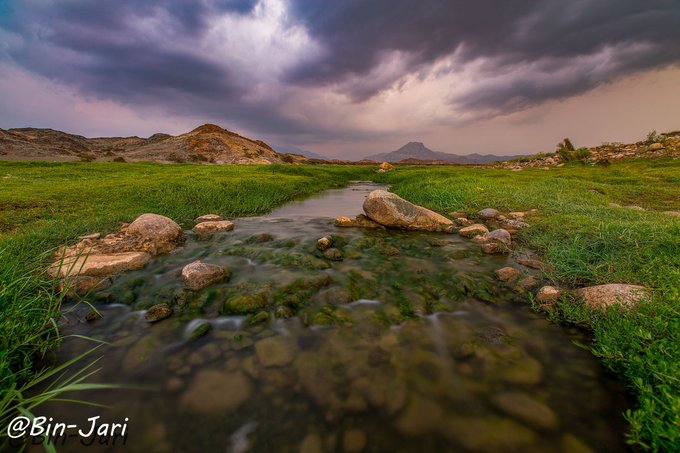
(361, 221)
(197, 329)
(324, 243)
(213, 227)
(215, 392)
(526, 409)
(390, 210)
(488, 213)
(526, 283)
(507, 274)
(333, 254)
(473, 230)
(198, 275)
(274, 352)
(157, 313)
(603, 296)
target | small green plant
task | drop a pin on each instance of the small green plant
(653, 137)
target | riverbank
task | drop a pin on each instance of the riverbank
(585, 239)
(584, 231)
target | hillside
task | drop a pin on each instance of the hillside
(206, 144)
(417, 151)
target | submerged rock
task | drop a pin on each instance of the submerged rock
(361, 221)
(473, 230)
(527, 409)
(157, 313)
(333, 254)
(506, 274)
(602, 296)
(324, 243)
(393, 211)
(274, 351)
(198, 275)
(213, 226)
(199, 329)
(216, 392)
(526, 283)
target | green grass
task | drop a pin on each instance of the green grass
(44, 204)
(589, 242)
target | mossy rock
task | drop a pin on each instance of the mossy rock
(259, 238)
(246, 303)
(200, 329)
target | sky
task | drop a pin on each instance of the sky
(346, 78)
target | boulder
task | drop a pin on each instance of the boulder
(488, 213)
(602, 296)
(157, 313)
(526, 283)
(473, 230)
(391, 210)
(360, 221)
(213, 226)
(99, 265)
(333, 254)
(324, 243)
(208, 218)
(386, 166)
(506, 274)
(198, 275)
(655, 147)
(463, 221)
(497, 241)
(156, 228)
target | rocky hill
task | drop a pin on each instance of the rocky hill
(413, 152)
(655, 146)
(206, 144)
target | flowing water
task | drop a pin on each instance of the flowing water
(407, 344)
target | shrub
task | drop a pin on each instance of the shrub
(653, 137)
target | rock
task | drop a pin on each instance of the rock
(497, 241)
(92, 316)
(391, 210)
(215, 392)
(634, 208)
(332, 296)
(386, 166)
(672, 213)
(213, 226)
(324, 243)
(160, 230)
(90, 236)
(526, 283)
(360, 221)
(258, 318)
(83, 284)
(506, 274)
(157, 313)
(463, 221)
(198, 275)
(208, 218)
(548, 295)
(354, 441)
(655, 147)
(99, 265)
(333, 254)
(527, 410)
(514, 224)
(488, 213)
(473, 230)
(457, 215)
(602, 296)
(274, 351)
(535, 264)
(479, 239)
(516, 215)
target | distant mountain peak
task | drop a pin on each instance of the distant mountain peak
(417, 151)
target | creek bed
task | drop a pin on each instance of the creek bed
(407, 344)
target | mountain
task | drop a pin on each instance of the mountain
(301, 152)
(205, 144)
(417, 151)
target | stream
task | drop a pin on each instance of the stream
(407, 344)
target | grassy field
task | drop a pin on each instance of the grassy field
(44, 204)
(589, 242)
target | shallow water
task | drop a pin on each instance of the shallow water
(408, 344)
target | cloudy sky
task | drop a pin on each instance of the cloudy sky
(346, 78)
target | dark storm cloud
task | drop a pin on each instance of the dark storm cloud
(357, 34)
(143, 52)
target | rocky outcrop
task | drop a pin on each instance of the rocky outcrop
(198, 275)
(128, 249)
(393, 211)
(603, 296)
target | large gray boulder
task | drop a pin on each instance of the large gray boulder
(393, 211)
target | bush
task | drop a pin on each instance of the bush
(653, 137)
(579, 155)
